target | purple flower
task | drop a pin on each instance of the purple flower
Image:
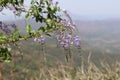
(1, 8)
(40, 39)
(64, 22)
(76, 41)
(35, 39)
(76, 38)
(4, 28)
(68, 36)
(11, 7)
(62, 43)
(14, 26)
(54, 2)
(65, 40)
(69, 26)
(66, 46)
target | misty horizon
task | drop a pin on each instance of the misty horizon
(74, 17)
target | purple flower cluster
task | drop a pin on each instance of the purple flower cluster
(40, 39)
(68, 25)
(67, 21)
(76, 41)
(4, 27)
(54, 2)
(1, 8)
(11, 7)
(14, 26)
(66, 40)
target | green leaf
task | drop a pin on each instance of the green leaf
(28, 15)
(48, 35)
(3, 39)
(29, 29)
(36, 13)
(41, 29)
(22, 1)
(41, 1)
(7, 60)
(48, 27)
(48, 20)
(16, 33)
(9, 49)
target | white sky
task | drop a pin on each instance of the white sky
(109, 8)
(92, 7)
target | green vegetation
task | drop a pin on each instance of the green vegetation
(90, 65)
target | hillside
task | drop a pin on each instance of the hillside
(101, 37)
(101, 34)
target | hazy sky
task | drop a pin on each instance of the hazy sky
(92, 7)
(109, 8)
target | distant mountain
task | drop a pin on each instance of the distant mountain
(92, 17)
(101, 34)
(99, 26)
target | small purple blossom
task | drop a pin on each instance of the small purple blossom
(40, 39)
(14, 26)
(35, 39)
(68, 38)
(76, 41)
(54, 2)
(11, 7)
(4, 28)
(65, 40)
(68, 25)
(62, 43)
(66, 46)
(1, 8)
